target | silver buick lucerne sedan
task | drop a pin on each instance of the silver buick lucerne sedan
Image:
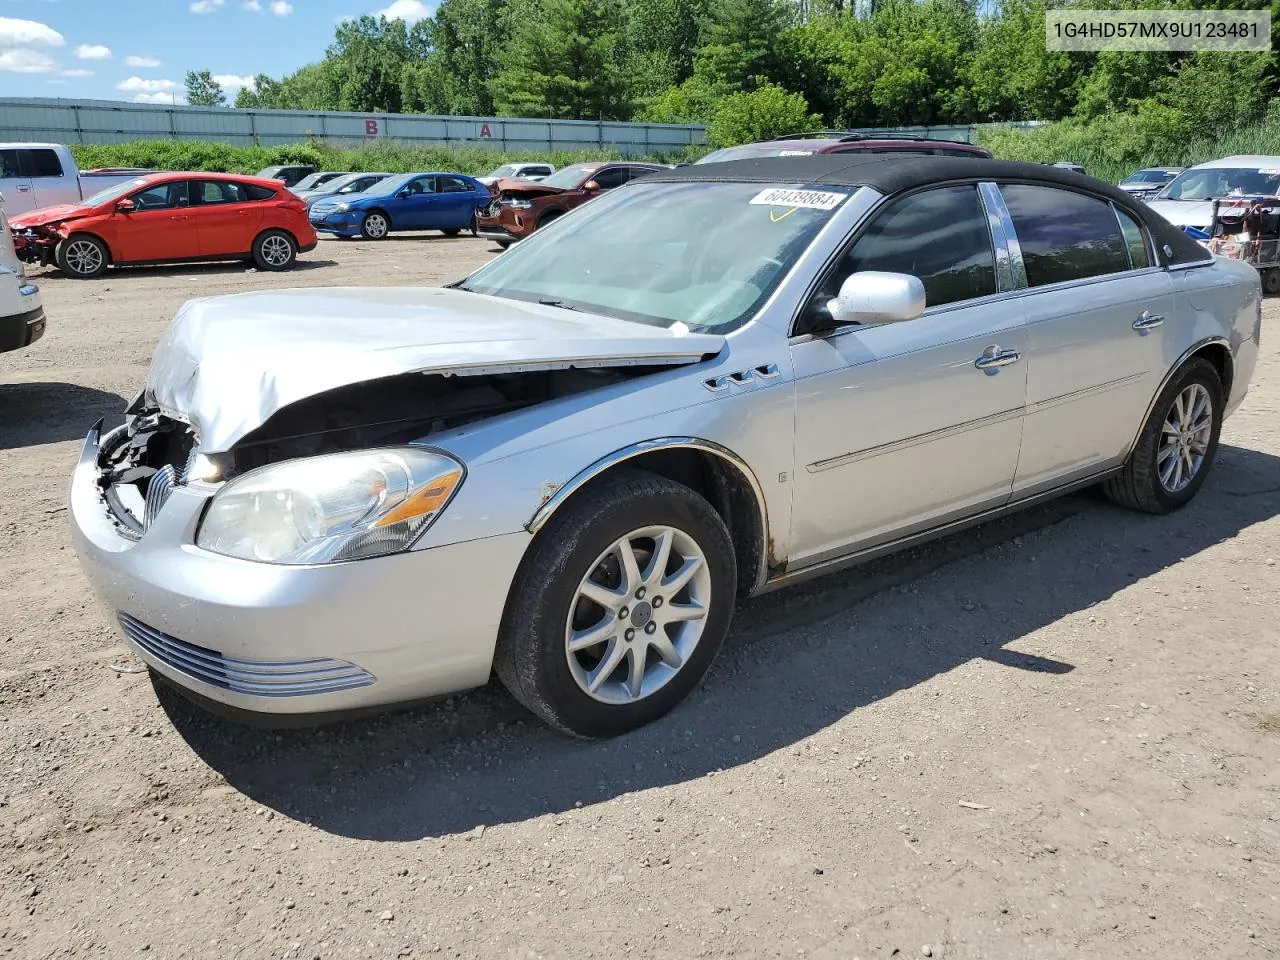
(567, 467)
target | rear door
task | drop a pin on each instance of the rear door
(227, 217)
(15, 185)
(160, 227)
(1095, 306)
(456, 200)
(49, 181)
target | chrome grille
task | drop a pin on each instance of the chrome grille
(158, 491)
(260, 678)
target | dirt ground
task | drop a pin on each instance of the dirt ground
(1055, 736)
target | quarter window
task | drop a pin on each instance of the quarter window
(1135, 240)
(940, 236)
(256, 192)
(1064, 235)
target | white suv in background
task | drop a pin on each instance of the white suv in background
(21, 316)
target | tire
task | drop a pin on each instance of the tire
(452, 231)
(504, 243)
(274, 250)
(548, 217)
(375, 226)
(533, 657)
(475, 231)
(1271, 282)
(82, 256)
(1151, 481)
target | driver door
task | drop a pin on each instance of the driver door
(160, 227)
(414, 210)
(904, 426)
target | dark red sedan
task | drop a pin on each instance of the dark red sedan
(169, 218)
(520, 207)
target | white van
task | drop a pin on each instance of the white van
(22, 318)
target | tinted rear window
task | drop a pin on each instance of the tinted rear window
(256, 192)
(1064, 235)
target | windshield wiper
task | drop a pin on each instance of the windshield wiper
(556, 303)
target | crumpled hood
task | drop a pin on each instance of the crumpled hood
(47, 215)
(227, 364)
(525, 186)
(1184, 213)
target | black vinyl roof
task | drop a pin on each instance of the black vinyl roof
(891, 175)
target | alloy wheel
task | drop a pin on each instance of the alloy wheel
(1184, 438)
(84, 256)
(638, 614)
(375, 226)
(276, 251)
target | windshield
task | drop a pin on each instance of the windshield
(1149, 176)
(568, 177)
(1210, 183)
(385, 188)
(308, 182)
(506, 170)
(705, 256)
(753, 150)
(114, 193)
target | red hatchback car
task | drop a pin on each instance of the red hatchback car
(169, 218)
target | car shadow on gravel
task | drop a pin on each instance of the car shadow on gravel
(36, 413)
(797, 661)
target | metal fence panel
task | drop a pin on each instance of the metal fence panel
(106, 121)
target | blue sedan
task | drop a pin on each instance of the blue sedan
(413, 201)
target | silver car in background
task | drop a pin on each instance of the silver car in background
(341, 186)
(715, 381)
(1147, 182)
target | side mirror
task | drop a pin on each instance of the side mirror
(126, 206)
(406, 192)
(872, 297)
(591, 186)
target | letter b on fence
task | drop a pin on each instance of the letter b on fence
(371, 127)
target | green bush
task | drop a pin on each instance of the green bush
(390, 155)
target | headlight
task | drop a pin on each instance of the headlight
(518, 204)
(342, 208)
(342, 506)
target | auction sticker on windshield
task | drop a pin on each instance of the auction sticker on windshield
(807, 199)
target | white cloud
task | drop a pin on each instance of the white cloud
(93, 51)
(15, 33)
(157, 98)
(253, 6)
(136, 61)
(229, 81)
(56, 83)
(281, 8)
(26, 61)
(77, 73)
(206, 6)
(138, 85)
(410, 11)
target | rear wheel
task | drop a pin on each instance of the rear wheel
(274, 250)
(452, 231)
(1178, 443)
(82, 256)
(375, 225)
(620, 606)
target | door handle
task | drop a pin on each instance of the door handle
(1147, 320)
(175, 217)
(22, 188)
(995, 357)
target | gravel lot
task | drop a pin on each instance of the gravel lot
(1055, 736)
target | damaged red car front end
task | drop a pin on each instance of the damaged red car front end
(37, 234)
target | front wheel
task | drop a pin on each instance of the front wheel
(274, 250)
(619, 607)
(82, 256)
(452, 231)
(375, 226)
(1177, 445)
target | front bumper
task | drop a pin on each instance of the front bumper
(278, 639)
(346, 222)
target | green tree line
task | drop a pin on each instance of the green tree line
(757, 68)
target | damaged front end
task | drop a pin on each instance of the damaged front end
(39, 244)
(141, 464)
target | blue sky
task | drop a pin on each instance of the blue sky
(141, 50)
